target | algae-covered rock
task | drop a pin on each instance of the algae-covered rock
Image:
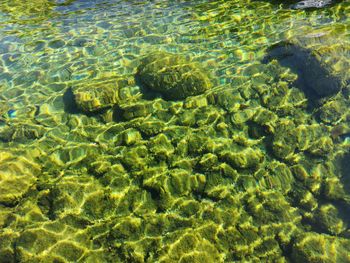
(208, 161)
(52, 242)
(307, 135)
(304, 198)
(192, 248)
(135, 157)
(313, 139)
(321, 147)
(17, 175)
(130, 136)
(284, 141)
(78, 195)
(97, 94)
(314, 247)
(138, 109)
(173, 76)
(279, 177)
(161, 147)
(7, 237)
(332, 111)
(328, 218)
(151, 127)
(21, 132)
(247, 158)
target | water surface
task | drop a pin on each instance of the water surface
(255, 169)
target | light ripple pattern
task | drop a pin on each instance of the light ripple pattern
(173, 131)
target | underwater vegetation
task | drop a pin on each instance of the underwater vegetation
(149, 149)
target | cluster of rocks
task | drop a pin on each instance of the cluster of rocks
(172, 76)
(189, 173)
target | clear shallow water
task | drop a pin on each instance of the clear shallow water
(244, 172)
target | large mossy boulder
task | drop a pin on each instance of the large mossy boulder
(173, 76)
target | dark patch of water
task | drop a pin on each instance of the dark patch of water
(314, 78)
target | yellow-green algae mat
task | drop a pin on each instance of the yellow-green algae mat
(240, 169)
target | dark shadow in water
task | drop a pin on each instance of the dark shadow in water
(314, 79)
(118, 114)
(147, 93)
(70, 106)
(345, 172)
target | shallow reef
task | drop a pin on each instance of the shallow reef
(222, 176)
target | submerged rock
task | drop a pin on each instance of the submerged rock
(329, 219)
(173, 76)
(315, 78)
(97, 94)
(333, 111)
(314, 247)
(21, 132)
(17, 175)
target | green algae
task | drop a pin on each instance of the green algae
(239, 169)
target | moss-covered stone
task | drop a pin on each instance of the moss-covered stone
(192, 248)
(161, 147)
(327, 217)
(21, 132)
(247, 158)
(314, 247)
(97, 94)
(332, 111)
(173, 76)
(151, 127)
(279, 177)
(284, 141)
(7, 253)
(67, 197)
(129, 137)
(17, 176)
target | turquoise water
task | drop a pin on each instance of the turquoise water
(99, 164)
